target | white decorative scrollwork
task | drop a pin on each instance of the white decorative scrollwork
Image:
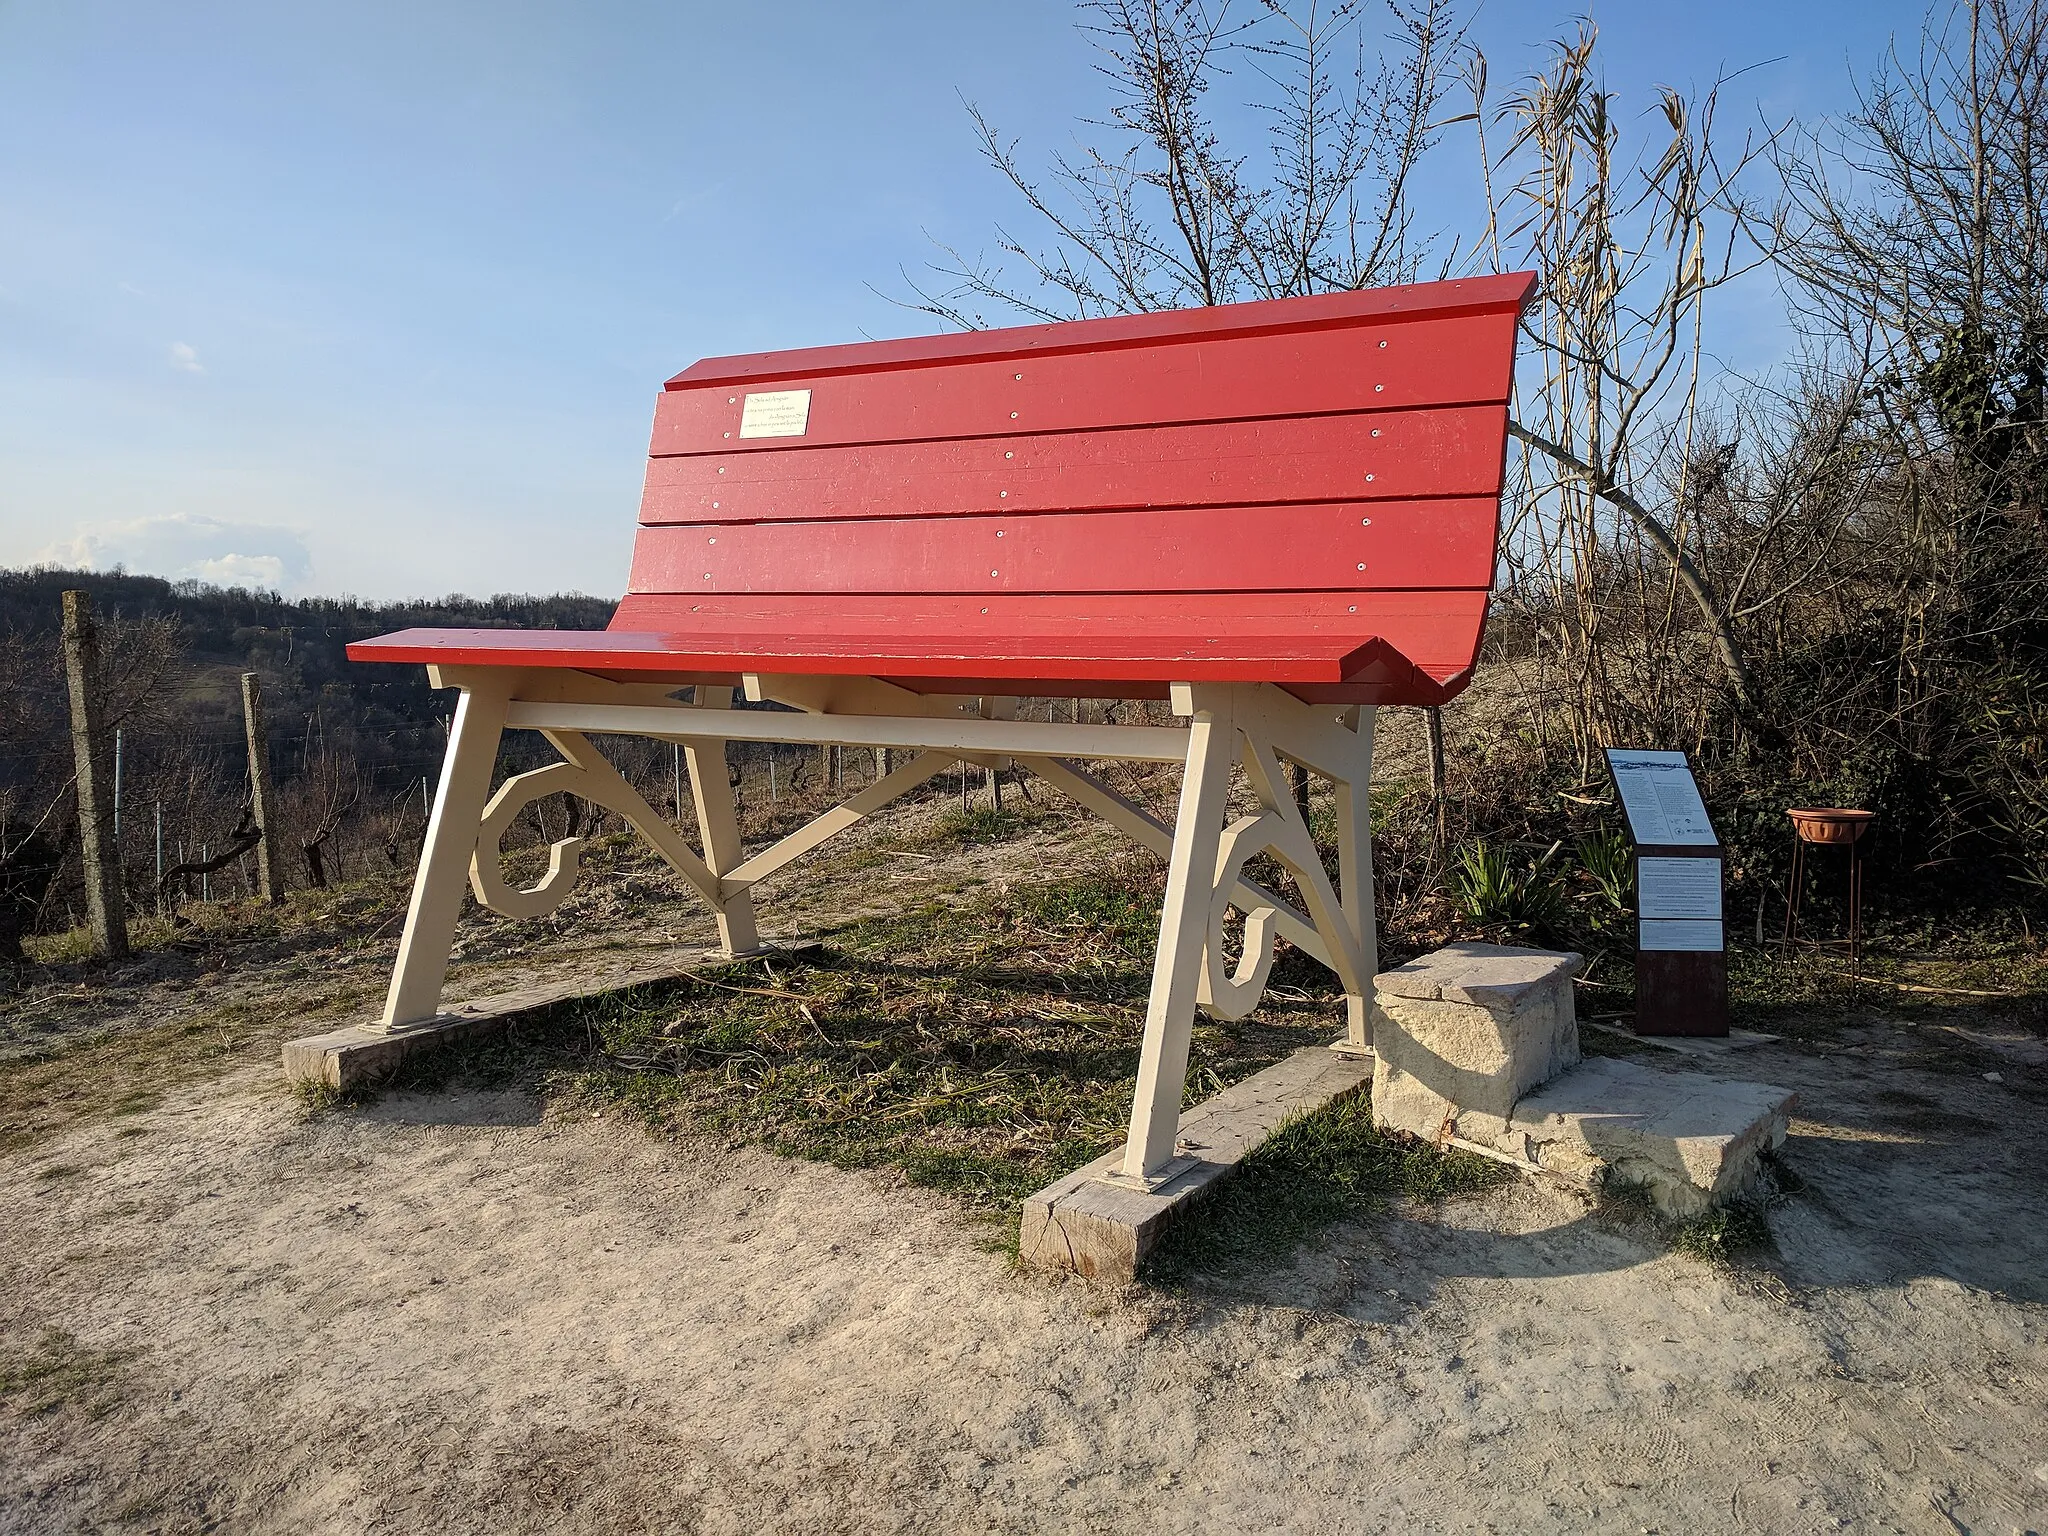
(587, 776)
(486, 877)
(1229, 992)
(593, 780)
(1225, 992)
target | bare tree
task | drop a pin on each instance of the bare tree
(1628, 253)
(1166, 212)
(1916, 233)
(38, 809)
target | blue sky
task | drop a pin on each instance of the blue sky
(376, 298)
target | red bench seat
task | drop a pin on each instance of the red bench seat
(1410, 647)
(1298, 498)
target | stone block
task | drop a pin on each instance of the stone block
(1464, 1032)
(1094, 1224)
(1689, 1141)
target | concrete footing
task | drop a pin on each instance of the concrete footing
(1093, 1225)
(1464, 1032)
(1479, 1048)
(1687, 1141)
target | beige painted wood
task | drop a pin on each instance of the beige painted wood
(1289, 840)
(437, 885)
(1338, 745)
(854, 696)
(1353, 795)
(559, 687)
(585, 773)
(628, 802)
(1260, 725)
(893, 786)
(1183, 937)
(1019, 738)
(1313, 735)
(1142, 826)
(717, 823)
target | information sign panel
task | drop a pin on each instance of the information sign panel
(1673, 888)
(1661, 800)
(1681, 959)
(1679, 935)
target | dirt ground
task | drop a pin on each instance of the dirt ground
(469, 1312)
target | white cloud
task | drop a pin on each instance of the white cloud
(243, 571)
(185, 358)
(187, 546)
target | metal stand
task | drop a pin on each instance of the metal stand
(1800, 840)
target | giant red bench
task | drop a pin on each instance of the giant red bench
(1277, 515)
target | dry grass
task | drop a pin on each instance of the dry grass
(981, 1044)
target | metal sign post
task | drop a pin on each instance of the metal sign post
(1681, 948)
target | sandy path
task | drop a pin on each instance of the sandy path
(456, 1314)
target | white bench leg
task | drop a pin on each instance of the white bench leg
(1354, 874)
(1183, 936)
(443, 871)
(718, 827)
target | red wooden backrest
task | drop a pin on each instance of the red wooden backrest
(1303, 492)
(1327, 445)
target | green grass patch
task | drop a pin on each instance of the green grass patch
(1733, 1236)
(981, 825)
(56, 1371)
(1313, 1171)
(1727, 1235)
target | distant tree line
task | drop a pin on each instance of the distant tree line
(354, 748)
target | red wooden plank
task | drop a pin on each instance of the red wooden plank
(1455, 451)
(1410, 301)
(1319, 658)
(1345, 546)
(1402, 647)
(1465, 360)
(1026, 619)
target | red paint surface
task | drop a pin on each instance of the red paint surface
(1451, 452)
(1404, 544)
(1396, 647)
(1296, 373)
(1303, 492)
(1432, 301)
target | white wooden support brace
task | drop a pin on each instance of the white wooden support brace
(1183, 938)
(1260, 726)
(718, 827)
(437, 884)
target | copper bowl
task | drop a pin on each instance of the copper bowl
(1831, 825)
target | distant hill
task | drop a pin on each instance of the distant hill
(388, 716)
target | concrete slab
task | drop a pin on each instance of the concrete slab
(1500, 977)
(363, 1054)
(1465, 1031)
(1691, 1142)
(1700, 1047)
(1095, 1227)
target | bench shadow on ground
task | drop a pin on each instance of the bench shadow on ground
(480, 1109)
(1899, 1169)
